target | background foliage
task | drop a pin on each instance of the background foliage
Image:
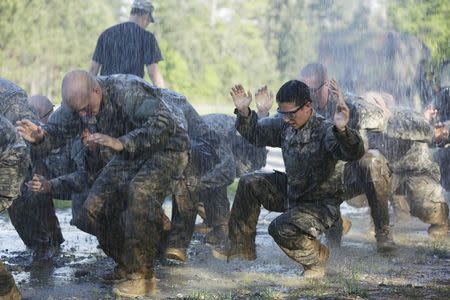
(208, 45)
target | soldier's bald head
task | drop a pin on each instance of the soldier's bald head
(42, 105)
(77, 87)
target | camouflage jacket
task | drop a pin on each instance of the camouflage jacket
(14, 102)
(405, 143)
(218, 169)
(132, 111)
(310, 154)
(14, 161)
(364, 117)
(243, 157)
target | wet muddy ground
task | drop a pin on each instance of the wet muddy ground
(420, 269)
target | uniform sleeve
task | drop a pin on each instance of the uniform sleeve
(346, 146)
(152, 53)
(157, 124)
(265, 132)
(99, 52)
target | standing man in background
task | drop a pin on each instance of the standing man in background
(127, 47)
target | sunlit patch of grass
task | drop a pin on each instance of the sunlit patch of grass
(270, 294)
(438, 249)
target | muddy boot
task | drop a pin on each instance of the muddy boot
(217, 235)
(8, 289)
(385, 242)
(116, 276)
(438, 231)
(317, 270)
(175, 253)
(202, 228)
(346, 225)
(44, 254)
(228, 250)
(135, 287)
(167, 224)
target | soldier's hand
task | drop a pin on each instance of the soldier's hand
(264, 101)
(440, 132)
(39, 184)
(104, 140)
(30, 131)
(342, 113)
(241, 99)
(430, 113)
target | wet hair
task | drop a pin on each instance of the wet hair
(77, 85)
(138, 12)
(294, 91)
(316, 70)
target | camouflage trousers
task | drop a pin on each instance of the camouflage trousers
(371, 176)
(442, 157)
(124, 206)
(295, 231)
(424, 196)
(8, 289)
(217, 206)
(80, 217)
(34, 218)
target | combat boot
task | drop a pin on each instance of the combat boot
(438, 231)
(317, 270)
(13, 294)
(218, 235)
(385, 242)
(229, 250)
(175, 253)
(202, 228)
(346, 225)
(135, 287)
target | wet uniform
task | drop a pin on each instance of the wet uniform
(308, 194)
(14, 160)
(241, 156)
(33, 215)
(371, 174)
(124, 202)
(415, 175)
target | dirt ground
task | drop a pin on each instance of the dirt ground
(420, 269)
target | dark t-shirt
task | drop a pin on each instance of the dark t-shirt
(125, 49)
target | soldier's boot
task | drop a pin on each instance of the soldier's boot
(135, 286)
(317, 270)
(167, 224)
(202, 228)
(229, 250)
(385, 242)
(116, 276)
(8, 289)
(175, 253)
(440, 230)
(217, 235)
(346, 225)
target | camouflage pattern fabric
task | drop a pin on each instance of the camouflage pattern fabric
(14, 161)
(13, 102)
(308, 194)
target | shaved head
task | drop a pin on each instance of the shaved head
(77, 87)
(42, 105)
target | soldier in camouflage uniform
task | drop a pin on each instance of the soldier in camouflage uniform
(308, 194)
(150, 145)
(242, 158)
(32, 215)
(371, 174)
(14, 160)
(405, 143)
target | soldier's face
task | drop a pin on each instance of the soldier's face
(91, 105)
(318, 91)
(298, 117)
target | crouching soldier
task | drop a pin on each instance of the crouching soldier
(14, 162)
(151, 147)
(308, 194)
